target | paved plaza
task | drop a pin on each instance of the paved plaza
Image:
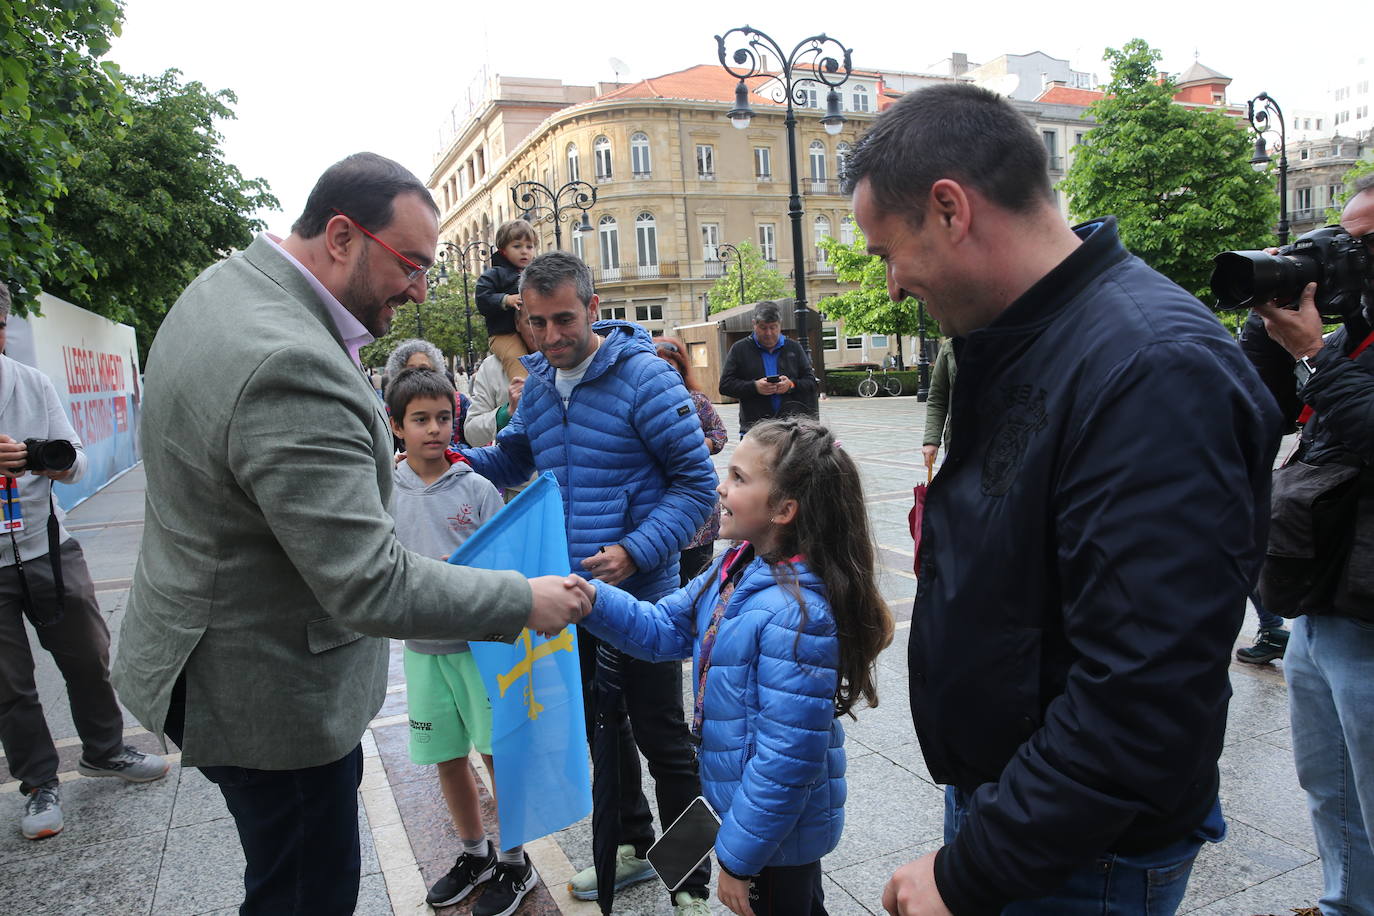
(169, 848)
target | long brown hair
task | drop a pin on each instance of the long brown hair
(830, 531)
(678, 357)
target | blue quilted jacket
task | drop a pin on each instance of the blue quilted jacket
(772, 751)
(628, 453)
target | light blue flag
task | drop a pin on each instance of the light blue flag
(539, 739)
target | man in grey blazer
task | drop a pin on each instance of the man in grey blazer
(269, 569)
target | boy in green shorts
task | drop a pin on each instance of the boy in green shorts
(439, 501)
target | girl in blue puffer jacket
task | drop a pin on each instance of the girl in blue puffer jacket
(783, 631)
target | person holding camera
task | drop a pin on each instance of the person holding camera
(769, 374)
(43, 577)
(1320, 563)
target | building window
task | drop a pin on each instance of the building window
(1361, 111)
(1319, 123)
(1078, 136)
(639, 155)
(853, 343)
(601, 151)
(580, 246)
(613, 313)
(1051, 140)
(574, 174)
(847, 231)
(830, 339)
(768, 242)
(706, 160)
(817, 157)
(1304, 153)
(646, 240)
(652, 311)
(1333, 194)
(1302, 199)
(609, 236)
(710, 241)
(820, 229)
(841, 160)
(807, 96)
(763, 163)
(878, 341)
(860, 98)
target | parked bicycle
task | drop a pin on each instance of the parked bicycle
(889, 383)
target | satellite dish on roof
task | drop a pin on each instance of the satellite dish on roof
(1004, 84)
(620, 67)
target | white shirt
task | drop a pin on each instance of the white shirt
(565, 380)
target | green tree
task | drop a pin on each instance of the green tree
(54, 96)
(1363, 167)
(1178, 180)
(868, 309)
(155, 204)
(760, 281)
(445, 318)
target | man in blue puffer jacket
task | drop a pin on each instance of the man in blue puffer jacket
(615, 425)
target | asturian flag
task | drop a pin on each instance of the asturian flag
(538, 732)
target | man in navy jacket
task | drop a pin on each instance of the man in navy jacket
(615, 425)
(1089, 543)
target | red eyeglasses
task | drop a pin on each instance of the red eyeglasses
(415, 269)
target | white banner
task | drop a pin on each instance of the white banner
(93, 363)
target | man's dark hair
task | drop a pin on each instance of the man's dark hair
(766, 313)
(365, 187)
(415, 383)
(551, 270)
(960, 132)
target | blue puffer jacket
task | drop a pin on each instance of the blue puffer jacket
(628, 452)
(772, 751)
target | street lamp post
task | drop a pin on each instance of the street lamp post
(818, 60)
(727, 250)
(922, 361)
(539, 202)
(1259, 119)
(461, 254)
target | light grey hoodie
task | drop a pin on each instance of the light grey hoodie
(435, 520)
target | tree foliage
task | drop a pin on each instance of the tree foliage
(868, 309)
(445, 317)
(155, 204)
(760, 281)
(1178, 180)
(54, 97)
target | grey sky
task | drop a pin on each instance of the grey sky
(317, 81)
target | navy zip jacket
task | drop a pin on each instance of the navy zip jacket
(1086, 553)
(628, 452)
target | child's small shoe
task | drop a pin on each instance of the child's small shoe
(467, 872)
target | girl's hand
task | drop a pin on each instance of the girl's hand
(734, 893)
(588, 589)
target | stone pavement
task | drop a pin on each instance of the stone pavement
(170, 848)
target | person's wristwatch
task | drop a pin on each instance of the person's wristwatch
(1304, 369)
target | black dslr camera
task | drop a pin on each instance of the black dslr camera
(1332, 258)
(49, 455)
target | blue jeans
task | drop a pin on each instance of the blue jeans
(1267, 621)
(1330, 670)
(1149, 884)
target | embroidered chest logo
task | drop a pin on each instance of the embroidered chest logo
(1024, 414)
(462, 519)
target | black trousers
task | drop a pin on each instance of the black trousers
(298, 829)
(651, 719)
(788, 890)
(79, 644)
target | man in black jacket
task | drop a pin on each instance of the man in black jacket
(768, 373)
(1330, 658)
(1084, 565)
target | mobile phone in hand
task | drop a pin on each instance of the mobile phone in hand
(772, 379)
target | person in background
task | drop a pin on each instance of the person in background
(697, 553)
(498, 293)
(421, 354)
(937, 403)
(769, 374)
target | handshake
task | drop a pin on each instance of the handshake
(559, 601)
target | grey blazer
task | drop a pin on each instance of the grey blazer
(269, 568)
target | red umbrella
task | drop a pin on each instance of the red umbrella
(914, 517)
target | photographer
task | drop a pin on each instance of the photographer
(55, 592)
(1325, 493)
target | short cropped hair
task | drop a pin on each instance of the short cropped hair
(513, 230)
(365, 187)
(1361, 184)
(412, 384)
(551, 270)
(958, 131)
(767, 313)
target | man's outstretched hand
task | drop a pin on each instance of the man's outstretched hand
(558, 601)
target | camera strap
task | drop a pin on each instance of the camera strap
(54, 560)
(1307, 408)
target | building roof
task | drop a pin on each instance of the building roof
(1201, 73)
(1067, 95)
(702, 83)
